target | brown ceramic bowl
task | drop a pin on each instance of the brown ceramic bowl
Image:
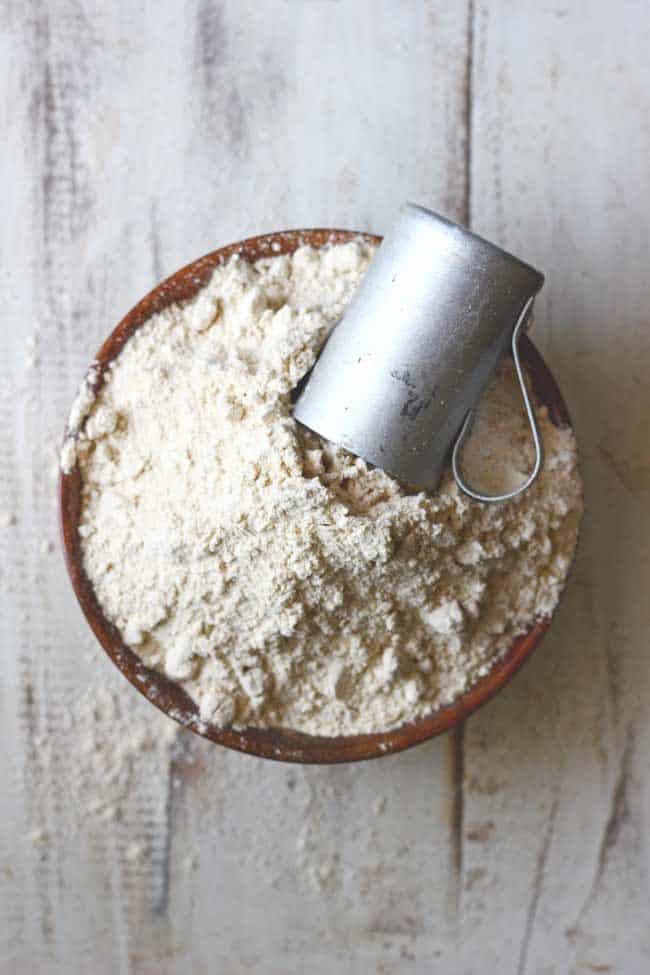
(277, 743)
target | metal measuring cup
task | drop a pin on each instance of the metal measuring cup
(400, 374)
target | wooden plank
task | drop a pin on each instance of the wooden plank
(321, 884)
(76, 260)
(556, 805)
(143, 136)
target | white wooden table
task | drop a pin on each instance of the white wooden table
(137, 136)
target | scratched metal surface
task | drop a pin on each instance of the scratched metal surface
(138, 136)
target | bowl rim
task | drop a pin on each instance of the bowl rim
(278, 744)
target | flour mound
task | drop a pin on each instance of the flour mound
(280, 580)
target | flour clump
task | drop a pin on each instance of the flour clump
(280, 580)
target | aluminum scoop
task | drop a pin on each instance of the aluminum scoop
(400, 374)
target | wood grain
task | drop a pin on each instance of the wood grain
(556, 765)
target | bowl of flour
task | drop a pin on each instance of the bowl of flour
(262, 586)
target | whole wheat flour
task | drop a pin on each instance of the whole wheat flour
(280, 580)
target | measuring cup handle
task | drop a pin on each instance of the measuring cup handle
(537, 440)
